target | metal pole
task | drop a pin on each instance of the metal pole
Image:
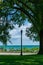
(21, 42)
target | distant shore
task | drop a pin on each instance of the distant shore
(24, 50)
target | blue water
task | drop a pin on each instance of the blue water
(19, 47)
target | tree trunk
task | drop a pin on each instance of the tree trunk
(41, 42)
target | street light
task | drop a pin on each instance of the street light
(21, 42)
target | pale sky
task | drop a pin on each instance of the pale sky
(16, 36)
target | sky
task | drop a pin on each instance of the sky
(16, 35)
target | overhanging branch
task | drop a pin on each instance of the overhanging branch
(26, 13)
(26, 6)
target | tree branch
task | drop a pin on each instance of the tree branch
(26, 6)
(26, 13)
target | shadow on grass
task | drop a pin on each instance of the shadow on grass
(21, 60)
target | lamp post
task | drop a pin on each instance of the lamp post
(21, 42)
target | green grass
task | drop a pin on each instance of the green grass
(21, 60)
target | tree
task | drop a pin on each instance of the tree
(37, 34)
(5, 24)
(6, 9)
(19, 10)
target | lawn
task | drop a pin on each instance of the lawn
(21, 60)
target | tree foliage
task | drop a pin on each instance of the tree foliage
(32, 32)
(18, 11)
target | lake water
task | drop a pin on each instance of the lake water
(19, 47)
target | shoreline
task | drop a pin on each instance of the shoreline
(18, 53)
